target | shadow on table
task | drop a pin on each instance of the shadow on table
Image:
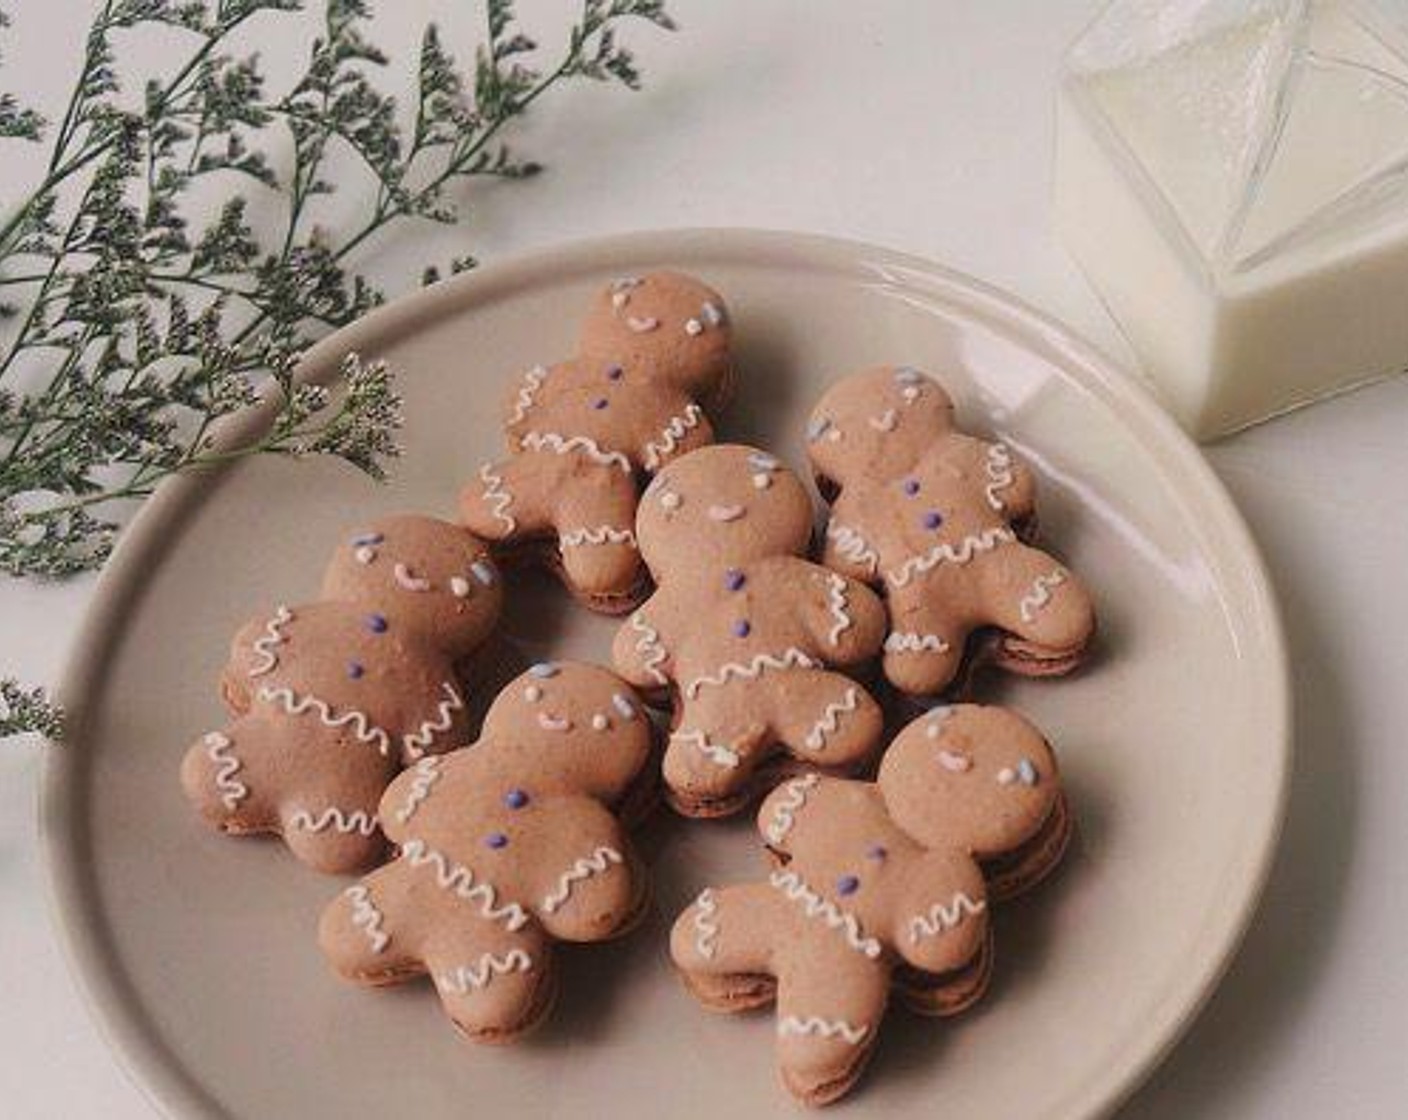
(1294, 931)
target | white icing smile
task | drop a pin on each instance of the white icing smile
(554, 723)
(886, 421)
(408, 579)
(726, 513)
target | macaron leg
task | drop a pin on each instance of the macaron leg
(711, 755)
(594, 513)
(361, 931)
(925, 646)
(227, 775)
(826, 718)
(1043, 607)
(495, 984)
(722, 944)
(829, 1010)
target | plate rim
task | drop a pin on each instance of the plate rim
(118, 1017)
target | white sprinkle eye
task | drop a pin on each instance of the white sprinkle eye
(693, 327)
(600, 722)
(459, 587)
(910, 393)
(532, 694)
(365, 554)
(670, 500)
(1006, 776)
(762, 481)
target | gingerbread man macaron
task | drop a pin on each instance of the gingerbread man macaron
(504, 847)
(331, 698)
(878, 887)
(746, 634)
(653, 361)
(942, 522)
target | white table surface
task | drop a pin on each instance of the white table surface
(925, 126)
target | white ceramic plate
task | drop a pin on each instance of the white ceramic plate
(197, 951)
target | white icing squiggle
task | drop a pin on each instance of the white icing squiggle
(836, 601)
(706, 924)
(670, 436)
(362, 726)
(598, 863)
(853, 547)
(468, 978)
(969, 547)
(999, 472)
(785, 810)
(417, 742)
(497, 497)
(562, 445)
(367, 918)
(649, 646)
(333, 817)
(1040, 594)
(830, 721)
(942, 918)
(219, 748)
(791, 658)
(425, 775)
(910, 641)
(459, 880)
(273, 636)
(602, 534)
(823, 1028)
(791, 885)
(716, 753)
(532, 382)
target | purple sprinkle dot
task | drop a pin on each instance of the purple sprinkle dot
(376, 623)
(734, 579)
(355, 670)
(876, 852)
(911, 486)
(496, 840)
(933, 519)
(515, 799)
(615, 372)
(600, 402)
(847, 884)
(742, 628)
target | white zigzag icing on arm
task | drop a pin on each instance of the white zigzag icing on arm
(532, 382)
(706, 924)
(468, 978)
(911, 641)
(650, 647)
(791, 658)
(823, 1028)
(969, 547)
(783, 813)
(332, 816)
(219, 748)
(602, 534)
(999, 472)
(716, 753)
(561, 445)
(362, 727)
(671, 435)
(497, 497)
(1040, 594)
(830, 721)
(598, 863)
(791, 885)
(836, 601)
(273, 636)
(853, 547)
(459, 880)
(417, 742)
(366, 917)
(427, 773)
(942, 918)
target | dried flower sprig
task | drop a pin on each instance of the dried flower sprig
(128, 334)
